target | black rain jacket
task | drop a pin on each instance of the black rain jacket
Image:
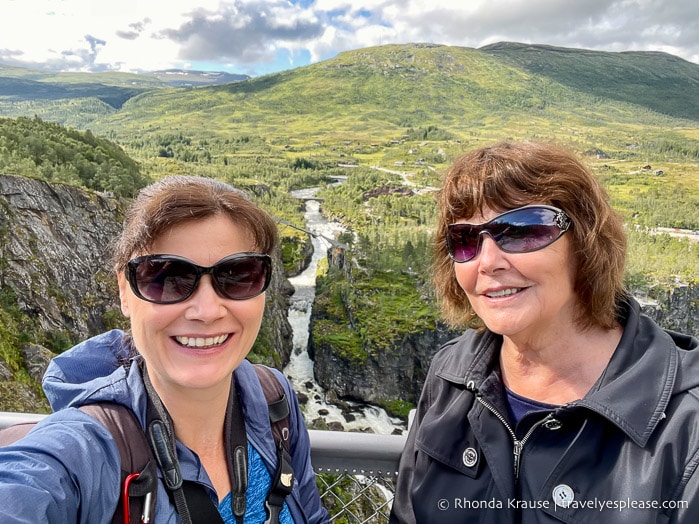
(628, 452)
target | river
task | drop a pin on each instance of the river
(361, 417)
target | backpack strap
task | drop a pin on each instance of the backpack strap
(191, 501)
(278, 406)
(236, 442)
(12, 433)
(138, 472)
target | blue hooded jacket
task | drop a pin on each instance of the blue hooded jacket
(67, 469)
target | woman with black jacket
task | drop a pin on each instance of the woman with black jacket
(561, 402)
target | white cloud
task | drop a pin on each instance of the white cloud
(252, 35)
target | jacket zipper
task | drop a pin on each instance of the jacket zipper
(518, 444)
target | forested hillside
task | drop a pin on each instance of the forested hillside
(33, 148)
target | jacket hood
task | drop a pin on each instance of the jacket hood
(92, 371)
(102, 369)
(684, 342)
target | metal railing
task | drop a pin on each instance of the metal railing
(355, 471)
(356, 474)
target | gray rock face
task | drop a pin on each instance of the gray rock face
(54, 251)
(36, 360)
(398, 375)
(675, 308)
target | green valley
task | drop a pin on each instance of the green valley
(390, 119)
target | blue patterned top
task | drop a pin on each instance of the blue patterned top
(259, 482)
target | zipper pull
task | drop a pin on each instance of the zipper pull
(240, 470)
(517, 450)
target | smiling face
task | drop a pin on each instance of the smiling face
(197, 343)
(522, 296)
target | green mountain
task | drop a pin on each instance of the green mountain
(410, 108)
(376, 93)
(389, 120)
(21, 85)
(658, 81)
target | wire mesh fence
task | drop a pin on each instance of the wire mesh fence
(356, 474)
(356, 499)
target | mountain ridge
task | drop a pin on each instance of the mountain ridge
(164, 77)
(113, 88)
(648, 78)
(402, 84)
(378, 118)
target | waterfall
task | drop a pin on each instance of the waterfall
(300, 368)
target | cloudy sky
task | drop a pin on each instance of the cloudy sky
(256, 37)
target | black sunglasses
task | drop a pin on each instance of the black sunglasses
(520, 230)
(168, 279)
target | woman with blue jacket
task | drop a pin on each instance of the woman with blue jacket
(192, 263)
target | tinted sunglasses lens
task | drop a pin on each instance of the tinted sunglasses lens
(163, 281)
(462, 241)
(518, 231)
(526, 230)
(243, 277)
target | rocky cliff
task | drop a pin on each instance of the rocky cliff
(675, 307)
(384, 378)
(54, 251)
(56, 282)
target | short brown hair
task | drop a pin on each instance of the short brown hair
(512, 174)
(178, 199)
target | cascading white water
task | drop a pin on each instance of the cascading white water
(300, 368)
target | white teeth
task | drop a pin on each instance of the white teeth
(201, 342)
(503, 292)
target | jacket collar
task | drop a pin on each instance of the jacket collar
(634, 390)
(646, 356)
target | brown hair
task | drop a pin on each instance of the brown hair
(178, 199)
(509, 175)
